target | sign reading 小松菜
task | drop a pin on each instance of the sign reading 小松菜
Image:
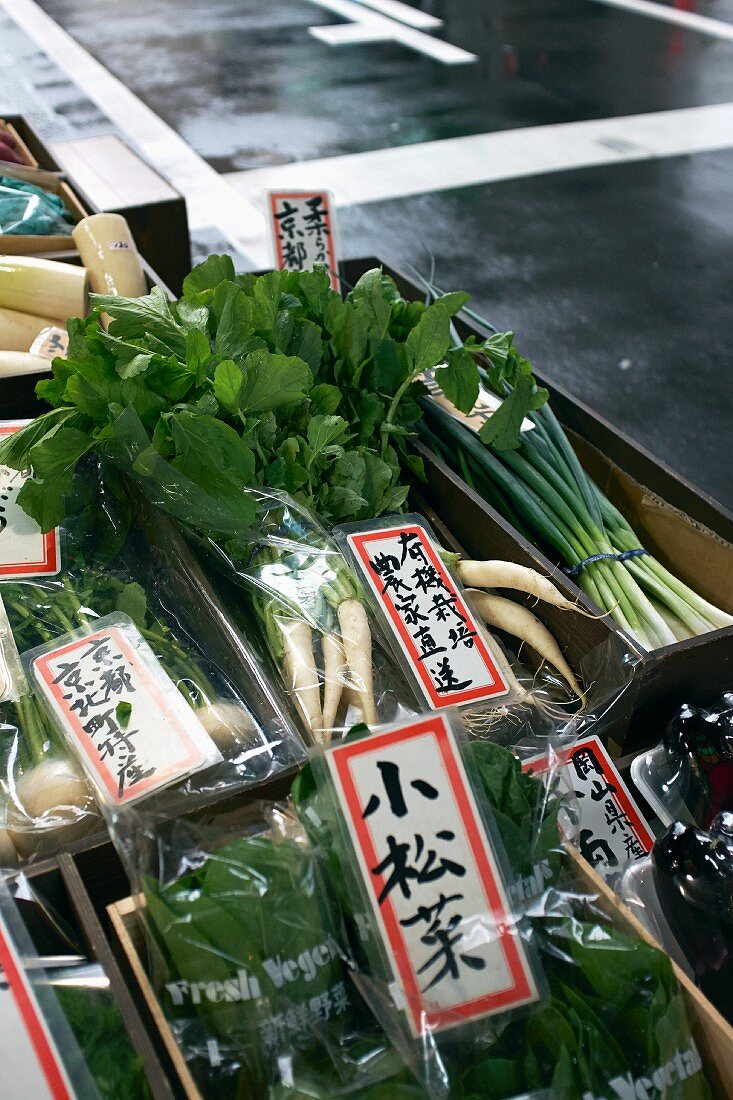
(612, 831)
(121, 712)
(25, 551)
(447, 651)
(432, 875)
(303, 226)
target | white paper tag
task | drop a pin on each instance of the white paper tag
(303, 227)
(432, 875)
(24, 550)
(612, 831)
(119, 710)
(50, 343)
(31, 1061)
(445, 647)
(486, 405)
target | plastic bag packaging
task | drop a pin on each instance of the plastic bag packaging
(248, 958)
(28, 210)
(85, 1039)
(303, 602)
(683, 894)
(609, 1012)
(689, 776)
(141, 575)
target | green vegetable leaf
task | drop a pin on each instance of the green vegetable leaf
(324, 398)
(228, 384)
(54, 460)
(134, 318)
(213, 456)
(323, 432)
(208, 275)
(132, 601)
(376, 298)
(501, 430)
(273, 380)
(454, 302)
(459, 380)
(428, 342)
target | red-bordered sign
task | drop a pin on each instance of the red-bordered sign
(40, 553)
(594, 815)
(490, 683)
(183, 731)
(297, 246)
(49, 1062)
(507, 982)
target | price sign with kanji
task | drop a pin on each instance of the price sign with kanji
(123, 715)
(432, 875)
(303, 227)
(447, 651)
(24, 550)
(612, 831)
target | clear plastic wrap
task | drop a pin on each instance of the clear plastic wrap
(141, 573)
(609, 1014)
(689, 776)
(249, 960)
(683, 894)
(27, 209)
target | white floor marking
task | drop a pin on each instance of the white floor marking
(371, 26)
(688, 19)
(508, 154)
(413, 17)
(210, 199)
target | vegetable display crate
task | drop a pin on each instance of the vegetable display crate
(713, 1035)
(686, 529)
(104, 174)
(40, 168)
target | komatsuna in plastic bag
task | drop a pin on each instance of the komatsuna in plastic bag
(607, 1015)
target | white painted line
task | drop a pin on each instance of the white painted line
(210, 199)
(413, 17)
(509, 154)
(385, 29)
(688, 19)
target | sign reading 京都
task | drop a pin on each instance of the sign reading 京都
(612, 831)
(303, 225)
(432, 875)
(447, 651)
(124, 716)
(24, 549)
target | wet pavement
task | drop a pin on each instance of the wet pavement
(616, 278)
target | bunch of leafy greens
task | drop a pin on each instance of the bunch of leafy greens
(249, 967)
(270, 381)
(612, 1008)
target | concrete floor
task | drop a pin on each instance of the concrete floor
(616, 277)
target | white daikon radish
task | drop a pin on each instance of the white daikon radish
(8, 853)
(14, 363)
(19, 330)
(507, 574)
(357, 639)
(43, 287)
(227, 724)
(518, 620)
(301, 671)
(334, 669)
(50, 798)
(110, 256)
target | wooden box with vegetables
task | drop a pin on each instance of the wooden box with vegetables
(220, 484)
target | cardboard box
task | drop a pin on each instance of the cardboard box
(18, 244)
(685, 528)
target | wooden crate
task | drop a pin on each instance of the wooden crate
(712, 1034)
(688, 531)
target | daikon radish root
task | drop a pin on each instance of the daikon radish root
(15, 363)
(506, 574)
(301, 671)
(8, 853)
(357, 639)
(227, 724)
(518, 620)
(334, 669)
(19, 330)
(47, 287)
